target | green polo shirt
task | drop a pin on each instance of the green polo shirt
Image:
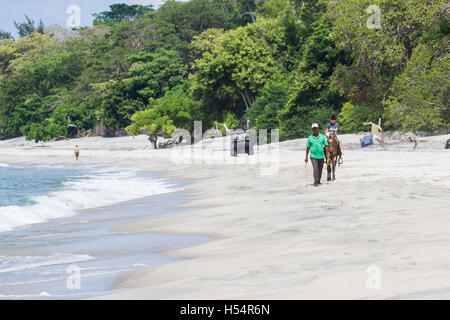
(316, 145)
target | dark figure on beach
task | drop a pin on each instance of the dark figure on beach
(447, 145)
(77, 152)
(317, 145)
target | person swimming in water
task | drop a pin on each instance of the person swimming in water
(77, 152)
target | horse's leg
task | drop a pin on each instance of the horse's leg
(328, 171)
(334, 168)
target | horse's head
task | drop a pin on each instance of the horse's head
(332, 138)
(332, 142)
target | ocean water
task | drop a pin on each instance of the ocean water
(34, 194)
(59, 224)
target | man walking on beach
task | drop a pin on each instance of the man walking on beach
(77, 152)
(318, 146)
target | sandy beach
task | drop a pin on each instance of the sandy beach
(275, 235)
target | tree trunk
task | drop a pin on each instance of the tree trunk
(247, 100)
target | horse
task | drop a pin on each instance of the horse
(333, 155)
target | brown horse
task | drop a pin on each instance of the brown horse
(333, 154)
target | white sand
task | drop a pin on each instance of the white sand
(277, 237)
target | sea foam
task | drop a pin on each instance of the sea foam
(100, 187)
(15, 264)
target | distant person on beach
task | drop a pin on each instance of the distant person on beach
(317, 145)
(77, 152)
(333, 128)
(377, 132)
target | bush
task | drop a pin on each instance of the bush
(176, 110)
(296, 121)
(72, 114)
(352, 117)
(274, 95)
(231, 120)
(44, 131)
(420, 95)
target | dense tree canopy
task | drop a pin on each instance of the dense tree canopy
(280, 64)
(230, 76)
(119, 12)
(376, 54)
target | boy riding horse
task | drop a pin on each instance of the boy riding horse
(333, 157)
(335, 148)
(333, 128)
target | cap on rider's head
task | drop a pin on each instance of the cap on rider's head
(315, 125)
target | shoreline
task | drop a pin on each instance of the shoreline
(281, 239)
(56, 244)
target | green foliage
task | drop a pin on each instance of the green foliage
(230, 120)
(149, 77)
(376, 55)
(274, 96)
(296, 121)
(175, 24)
(119, 12)
(421, 94)
(176, 110)
(311, 98)
(419, 98)
(28, 27)
(281, 64)
(44, 131)
(352, 117)
(205, 42)
(35, 90)
(230, 76)
(5, 35)
(28, 49)
(71, 114)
